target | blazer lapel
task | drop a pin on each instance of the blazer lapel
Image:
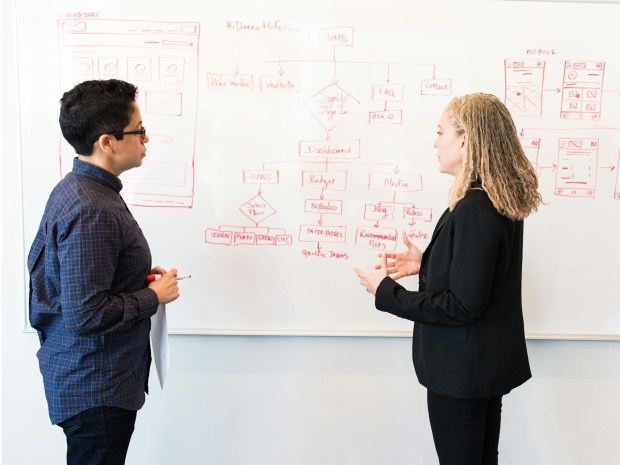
(425, 255)
(440, 224)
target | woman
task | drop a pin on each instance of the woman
(469, 342)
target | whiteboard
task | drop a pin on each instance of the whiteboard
(292, 141)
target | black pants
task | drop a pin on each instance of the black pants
(465, 431)
(99, 436)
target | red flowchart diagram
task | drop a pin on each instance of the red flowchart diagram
(573, 160)
(324, 165)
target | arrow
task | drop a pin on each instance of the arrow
(280, 71)
(556, 90)
(388, 73)
(610, 167)
(552, 166)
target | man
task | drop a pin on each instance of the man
(89, 300)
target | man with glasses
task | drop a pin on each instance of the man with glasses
(89, 299)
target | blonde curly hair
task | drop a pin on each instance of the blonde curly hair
(494, 160)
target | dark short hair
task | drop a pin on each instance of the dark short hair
(93, 108)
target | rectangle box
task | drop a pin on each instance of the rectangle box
(265, 239)
(279, 83)
(394, 182)
(316, 233)
(385, 117)
(336, 36)
(261, 176)
(345, 149)
(323, 206)
(244, 238)
(333, 180)
(436, 87)
(158, 173)
(164, 103)
(215, 236)
(230, 82)
(388, 92)
(382, 239)
(418, 214)
(284, 239)
(376, 212)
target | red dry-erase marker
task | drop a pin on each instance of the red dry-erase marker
(152, 277)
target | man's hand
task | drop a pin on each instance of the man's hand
(166, 287)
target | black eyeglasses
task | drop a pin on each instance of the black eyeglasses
(141, 132)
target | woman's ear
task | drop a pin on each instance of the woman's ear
(463, 145)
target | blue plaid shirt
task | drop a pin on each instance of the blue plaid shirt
(89, 301)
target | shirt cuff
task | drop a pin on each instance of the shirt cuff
(148, 302)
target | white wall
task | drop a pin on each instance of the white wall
(233, 400)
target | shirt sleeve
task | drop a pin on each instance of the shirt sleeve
(89, 244)
(477, 236)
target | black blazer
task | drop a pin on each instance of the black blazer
(469, 339)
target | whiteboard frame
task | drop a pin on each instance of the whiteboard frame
(249, 332)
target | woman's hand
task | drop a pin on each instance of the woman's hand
(371, 281)
(403, 264)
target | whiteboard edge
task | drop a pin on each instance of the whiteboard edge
(391, 334)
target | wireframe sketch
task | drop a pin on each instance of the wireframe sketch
(524, 86)
(161, 58)
(582, 90)
(577, 167)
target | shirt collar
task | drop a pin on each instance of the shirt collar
(98, 174)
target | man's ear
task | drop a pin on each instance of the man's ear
(105, 143)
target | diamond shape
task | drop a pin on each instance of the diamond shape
(257, 209)
(330, 105)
